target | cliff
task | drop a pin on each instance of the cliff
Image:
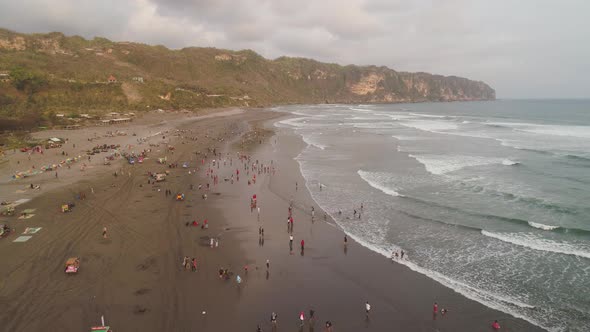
(53, 72)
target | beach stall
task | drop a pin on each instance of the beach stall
(4, 231)
(7, 210)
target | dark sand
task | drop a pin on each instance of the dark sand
(135, 277)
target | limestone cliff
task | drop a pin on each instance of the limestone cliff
(99, 74)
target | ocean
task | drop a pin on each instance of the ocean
(488, 198)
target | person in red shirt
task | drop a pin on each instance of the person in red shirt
(302, 244)
(496, 325)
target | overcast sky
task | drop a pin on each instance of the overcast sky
(522, 48)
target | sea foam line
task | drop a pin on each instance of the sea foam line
(494, 301)
(543, 226)
(533, 242)
(366, 176)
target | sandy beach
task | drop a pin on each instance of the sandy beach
(135, 277)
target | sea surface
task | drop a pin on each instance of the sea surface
(489, 198)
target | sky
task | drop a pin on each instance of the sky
(522, 48)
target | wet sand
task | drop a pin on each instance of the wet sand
(135, 277)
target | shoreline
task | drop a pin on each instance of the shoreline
(134, 277)
(472, 314)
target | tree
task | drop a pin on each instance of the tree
(27, 81)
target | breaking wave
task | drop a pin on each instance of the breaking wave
(442, 164)
(373, 180)
(532, 241)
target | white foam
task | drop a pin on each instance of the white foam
(553, 130)
(535, 242)
(407, 138)
(508, 162)
(432, 126)
(294, 122)
(366, 118)
(373, 179)
(400, 116)
(430, 115)
(543, 226)
(442, 164)
(492, 300)
(361, 110)
(374, 125)
(312, 142)
(571, 131)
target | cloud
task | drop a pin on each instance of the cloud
(529, 48)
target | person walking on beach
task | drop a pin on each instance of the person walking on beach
(104, 232)
(345, 240)
(434, 310)
(268, 264)
(194, 265)
(329, 326)
(273, 321)
(496, 325)
(291, 242)
(402, 254)
(367, 310)
(301, 319)
(302, 244)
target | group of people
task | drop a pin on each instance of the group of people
(189, 263)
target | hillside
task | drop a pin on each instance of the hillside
(41, 74)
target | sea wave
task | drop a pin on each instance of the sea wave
(311, 142)
(292, 122)
(442, 164)
(373, 180)
(544, 129)
(543, 226)
(577, 158)
(530, 201)
(517, 221)
(508, 162)
(500, 302)
(361, 110)
(408, 138)
(432, 126)
(532, 241)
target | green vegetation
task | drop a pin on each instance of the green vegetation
(52, 73)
